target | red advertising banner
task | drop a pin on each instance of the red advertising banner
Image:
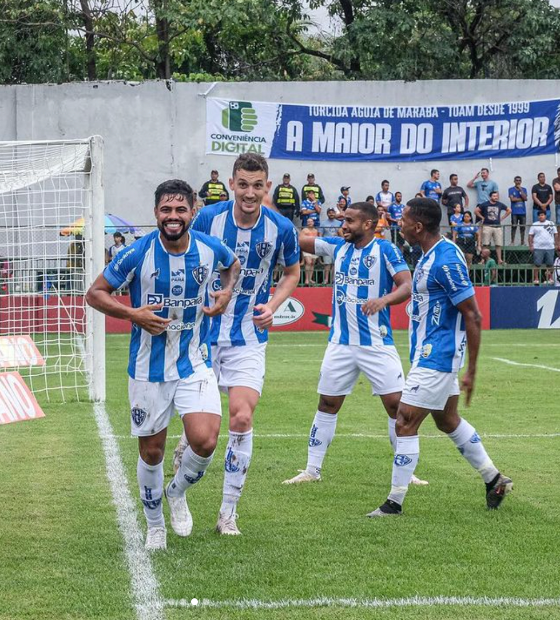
(17, 403)
(19, 351)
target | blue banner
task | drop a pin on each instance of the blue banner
(383, 133)
(524, 308)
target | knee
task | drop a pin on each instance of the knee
(329, 404)
(405, 426)
(204, 446)
(152, 455)
(241, 419)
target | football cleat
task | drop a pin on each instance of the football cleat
(418, 481)
(156, 539)
(303, 476)
(178, 453)
(497, 490)
(227, 524)
(181, 518)
(388, 509)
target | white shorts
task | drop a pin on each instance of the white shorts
(152, 404)
(343, 363)
(239, 366)
(429, 389)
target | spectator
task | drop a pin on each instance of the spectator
(344, 194)
(556, 268)
(310, 209)
(341, 207)
(370, 199)
(491, 214)
(311, 185)
(467, 236)
(518, 198)
(490, 268)
(484, 186)
(117, 247)
(543, 239)
(432, 187)
(454, 195)
(382, 225)
(211, 190)
(286, 198)
(75, 264)
(457, 217)
(556, 186)
(309, 259)
(331, 228)
(394, 215)
(542, 197)
(384, 198)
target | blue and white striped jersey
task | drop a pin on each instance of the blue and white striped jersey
(361, 274)
(180, 282)
(437, 329)
(273, 239)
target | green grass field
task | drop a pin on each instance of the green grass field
(63, 555)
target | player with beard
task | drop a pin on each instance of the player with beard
(170, 367)
(261, 238)
(366, 270)
(444, 322)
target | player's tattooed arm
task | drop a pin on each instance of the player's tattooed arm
(403, 283)
(285, 287)
(228, 279)
(99, 297)
(473, 322)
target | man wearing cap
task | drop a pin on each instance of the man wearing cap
(286, 198)
(311, 185)
(344, 194)
(211, 190)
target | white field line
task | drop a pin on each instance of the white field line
(512, 363)
(145, 589)
(415, 601)
(368, 436)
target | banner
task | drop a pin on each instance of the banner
(525, 307)
(382, 133)
(17, 403)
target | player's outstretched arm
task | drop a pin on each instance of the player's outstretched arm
(307, 243)
(285, 287)
(403, 283)
(99, 297)
(473, 326)
(228, 279)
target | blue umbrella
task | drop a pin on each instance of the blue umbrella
(113, 224)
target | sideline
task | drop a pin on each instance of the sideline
(145, 588)
(512, 363)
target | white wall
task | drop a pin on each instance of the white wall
(154, 131)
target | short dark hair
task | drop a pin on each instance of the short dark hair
(488, 171)
(451, 176)
(174, 188)
(370, 198)
(118, 234)
(214, 172)
(538, 175)
(384, 181)
(432, 171)
(367, 210)
(427, 211)
(251, 162)
(494, 192)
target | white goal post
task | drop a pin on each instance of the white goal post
(52, 225)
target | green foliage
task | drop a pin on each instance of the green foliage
(252, 40)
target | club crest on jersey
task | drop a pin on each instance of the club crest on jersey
(200, 273)
(138, 415)
(263, 248)
(369, 261)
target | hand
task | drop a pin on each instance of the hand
(467, 385)
(264, 319)
(145, 318)
(221, 301)
(374, 305)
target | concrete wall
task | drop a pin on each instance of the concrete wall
(156, 130)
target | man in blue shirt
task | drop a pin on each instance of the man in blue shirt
(170, 366)
(444, 322)
(484, 186)
(310, 208)
(394, 214)
(432, 187)
(261, 238)
(518, 199)
(366, 270)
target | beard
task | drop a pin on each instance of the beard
(173, 236)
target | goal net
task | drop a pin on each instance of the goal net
(51, 247)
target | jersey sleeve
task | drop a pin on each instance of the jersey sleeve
(394, 260)
(289, 250)
(326, 246)
(121, 269)
(202, 221)
(224, 257)
(453, 277)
